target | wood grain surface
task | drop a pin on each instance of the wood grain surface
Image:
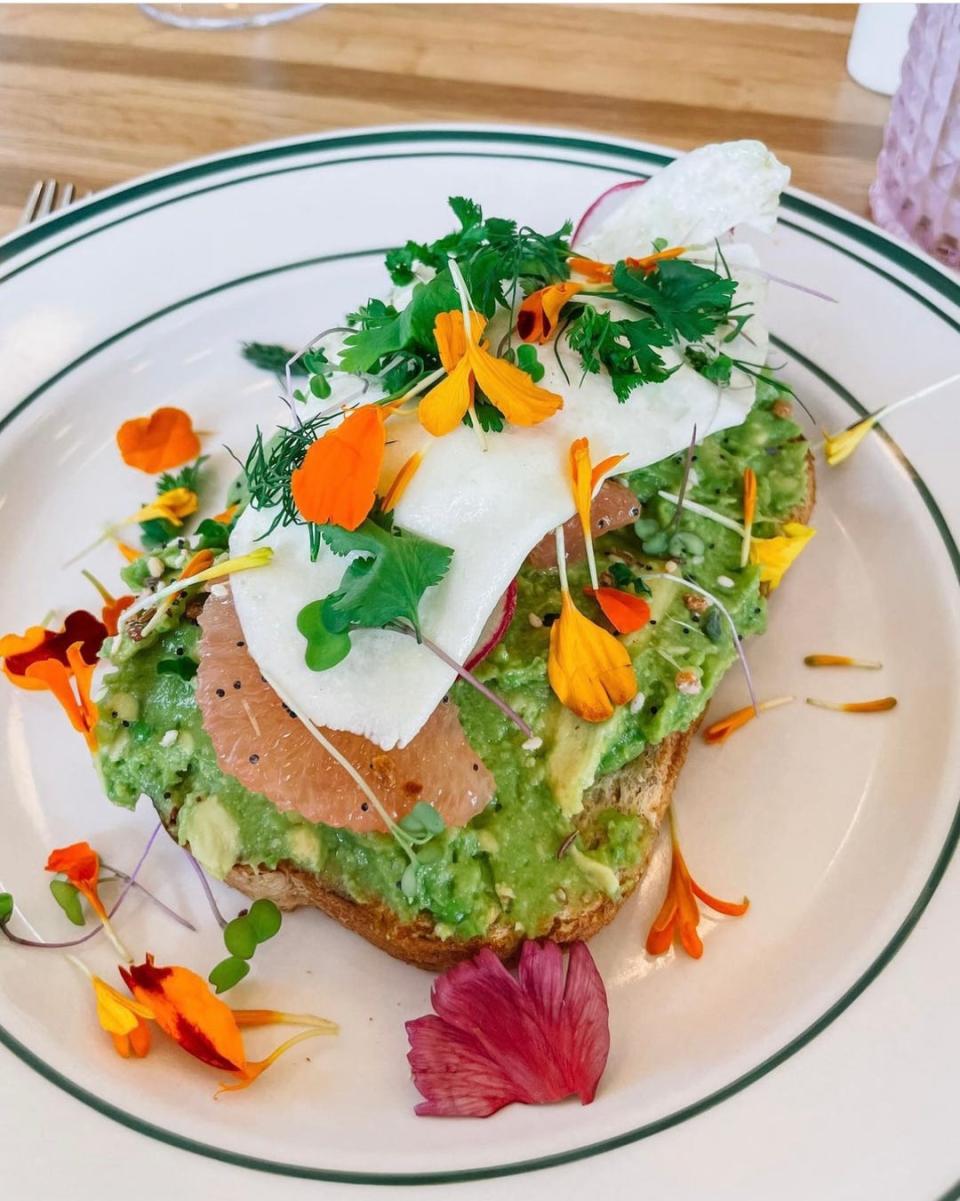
(96, 94)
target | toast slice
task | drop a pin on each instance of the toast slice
(643, 786)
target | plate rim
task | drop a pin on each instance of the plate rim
(839, 219)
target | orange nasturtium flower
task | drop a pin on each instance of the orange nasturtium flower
(337, 481)
(164, 440)
(19, 651)
(679, 916)
(80, 863)
(71, 685)
(538, 314)
(775, 555)
(468, 362)
(184, 1007)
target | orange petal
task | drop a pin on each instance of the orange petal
(749, 496)
(626, 612)
(110, 614)
(601, 273)
(649, 262)
(514, 393)
(602, 468)
(582, 478)
(730, 908)
(159, 442)
(337, 480)
(589, 670)
(720, 731)
(53, 676)
(443, 408)
(227, 515)
(196, 563)
(130, 553)
(401, 481)
(185, 1008)
(448, 331)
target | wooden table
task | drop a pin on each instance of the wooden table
(96, 93)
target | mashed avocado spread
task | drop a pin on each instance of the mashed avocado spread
(503, 866)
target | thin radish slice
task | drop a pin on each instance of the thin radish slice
(495, 630)
(602, 207)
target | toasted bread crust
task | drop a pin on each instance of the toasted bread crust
(644, 786)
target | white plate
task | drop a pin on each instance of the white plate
(839, 828)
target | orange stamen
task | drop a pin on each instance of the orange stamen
(720, 730)
(878, 706)
(841, 661)
(164, 440)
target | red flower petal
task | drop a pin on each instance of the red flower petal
(80, 626)
(497, 1039)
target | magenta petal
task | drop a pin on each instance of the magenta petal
(498, 1039)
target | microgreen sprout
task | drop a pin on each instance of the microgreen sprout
(241, 937)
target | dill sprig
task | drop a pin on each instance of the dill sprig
(270, 464)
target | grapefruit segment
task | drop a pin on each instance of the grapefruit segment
(262, 743)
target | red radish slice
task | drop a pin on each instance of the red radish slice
(495, 630)
(606, 203)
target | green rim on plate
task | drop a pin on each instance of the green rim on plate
(898, 255)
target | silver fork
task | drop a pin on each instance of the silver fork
(48, 196)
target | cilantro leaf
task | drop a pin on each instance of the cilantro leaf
(627, 349)
(488, 415)
(271, 357)
(387, 580)
(186, 477)
(687, 300)
(467, 212)
(716, 368)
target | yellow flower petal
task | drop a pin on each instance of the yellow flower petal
(837, 447)
(444, 407)
(116, 1013)
(514, 393)
(590, 670)
(172, 506)
(775, 555)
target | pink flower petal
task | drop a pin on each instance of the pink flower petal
(497, 1038)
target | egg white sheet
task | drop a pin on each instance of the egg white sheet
(493, 505)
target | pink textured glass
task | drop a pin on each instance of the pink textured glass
(917, 190)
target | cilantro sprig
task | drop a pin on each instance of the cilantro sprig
(678, 303)
(381, 587)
